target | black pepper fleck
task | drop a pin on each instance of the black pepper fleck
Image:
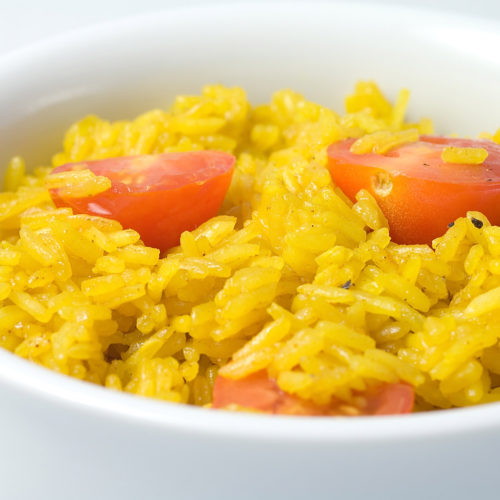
(426, 165)
(477, 223)
(451, 224)
(347, 284)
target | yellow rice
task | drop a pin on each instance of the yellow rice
(466, 156)
(291, 278)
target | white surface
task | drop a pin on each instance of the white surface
(66, 440)
(27, 21)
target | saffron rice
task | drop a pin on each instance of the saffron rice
(291, 277)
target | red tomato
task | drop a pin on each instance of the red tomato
(389, 399)
(417, 192)
(259, 392)
(159, 196)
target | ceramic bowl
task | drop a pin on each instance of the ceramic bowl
(68, 440)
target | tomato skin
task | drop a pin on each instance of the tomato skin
(426, 193)
(259, 392)
(159, 196)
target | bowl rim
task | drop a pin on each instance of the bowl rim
(66, 393)
(422, 12)
(45, 386)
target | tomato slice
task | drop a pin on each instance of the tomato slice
(159, 196)
(417, 192)
(259, 392)
(389, 399)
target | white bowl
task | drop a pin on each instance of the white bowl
(65, 439)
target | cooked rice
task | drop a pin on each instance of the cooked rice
(466, 156)
(292, 277)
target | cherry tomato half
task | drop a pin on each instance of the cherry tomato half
(160, 196)
(259, 392)
(417, 192)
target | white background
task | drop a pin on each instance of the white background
(26, 21)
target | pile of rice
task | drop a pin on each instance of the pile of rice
(292, 277)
